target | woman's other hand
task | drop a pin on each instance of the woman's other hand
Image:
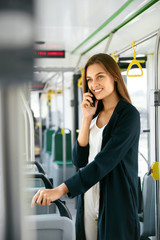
(87, 109)
(46, 196)
(88, 112)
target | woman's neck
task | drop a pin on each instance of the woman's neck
(110, 102)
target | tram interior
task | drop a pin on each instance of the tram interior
(40, 99)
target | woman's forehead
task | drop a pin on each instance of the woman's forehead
(95, 68)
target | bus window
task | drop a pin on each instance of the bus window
(137, 87)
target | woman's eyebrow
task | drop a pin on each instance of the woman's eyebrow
(100, 73)
(96, 74)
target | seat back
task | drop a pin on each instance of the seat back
(51, 227)
(147, 221)
(49, 134)
(32, 168)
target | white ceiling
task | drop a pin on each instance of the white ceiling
(64, 24)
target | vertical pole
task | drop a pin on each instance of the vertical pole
(26, 135)
(56, 108)
(40, 127)
(157, 104)
(108, 43)
(63, 131)
(12, 170)
(50, 113)
(31, 124)
(75, 105)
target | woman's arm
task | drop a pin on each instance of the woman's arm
(88, 112)
(81, 148)
(83, 137)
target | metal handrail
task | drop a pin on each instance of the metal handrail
(26, 134)
(157, 206)
(147, 37)
(30, 117)
(63, 210)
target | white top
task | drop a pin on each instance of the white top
(91, 197)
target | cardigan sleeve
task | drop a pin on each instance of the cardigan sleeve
(80, 155)
(123, 137)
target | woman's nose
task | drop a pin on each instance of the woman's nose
(94, 84)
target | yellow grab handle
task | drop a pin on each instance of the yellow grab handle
(59, 91)
(134, 61)
(113, 56)
(62, 131)
(80, 80)
(50, 92)
(155, 170)
(39, 124)
(49, 103)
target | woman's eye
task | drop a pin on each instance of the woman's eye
(100, 76)
(88, 79)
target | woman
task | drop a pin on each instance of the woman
(106, 153)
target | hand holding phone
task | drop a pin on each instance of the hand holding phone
(93, 98)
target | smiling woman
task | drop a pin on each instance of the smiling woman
(43, 47)
(107, 67)
(106, 154)
(99, 81)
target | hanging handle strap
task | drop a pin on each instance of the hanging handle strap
(155, 170)
(134, 62)
(80, 80)
(113, 56)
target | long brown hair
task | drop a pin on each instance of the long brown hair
(112, 67)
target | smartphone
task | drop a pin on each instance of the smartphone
(93, 98)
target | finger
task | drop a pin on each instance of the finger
(85, 104)
(34, 199)
(48, 203)
(87, 97)
(40, 199)
(44, 202)
(87, 94)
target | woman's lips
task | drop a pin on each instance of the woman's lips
(97, 90)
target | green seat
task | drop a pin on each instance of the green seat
(61, 163)
(58, 148)
(49, 133)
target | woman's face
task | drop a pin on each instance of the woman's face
(99, 81)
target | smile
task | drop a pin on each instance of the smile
(98, 90)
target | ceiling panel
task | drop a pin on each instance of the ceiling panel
(64, 24)
(70, 22)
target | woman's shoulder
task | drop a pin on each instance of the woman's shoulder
(126, 108)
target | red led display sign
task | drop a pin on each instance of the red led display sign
(36, 86)
(48, 54)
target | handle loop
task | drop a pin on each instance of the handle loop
(113, 56)
(80, 80)
(134, 62)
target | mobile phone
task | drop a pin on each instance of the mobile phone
(93, 98)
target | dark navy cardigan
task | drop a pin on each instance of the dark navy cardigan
(116, 168)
